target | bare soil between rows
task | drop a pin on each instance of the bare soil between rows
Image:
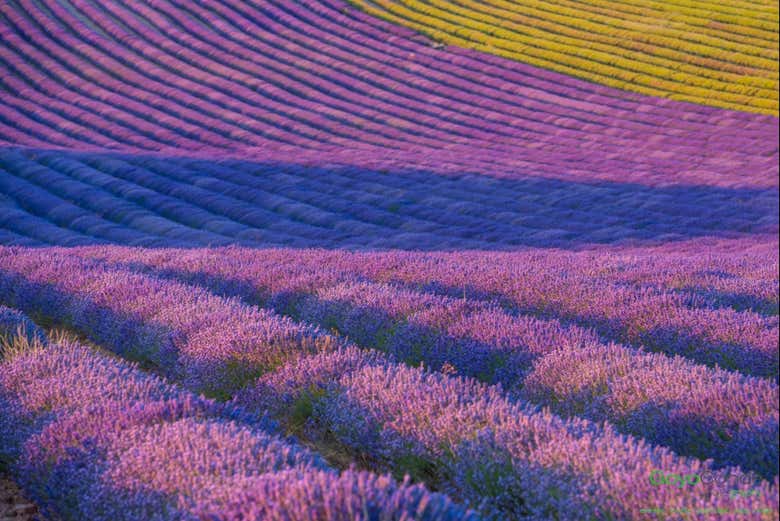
(13, 505)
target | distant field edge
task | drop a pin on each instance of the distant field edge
(697, 51)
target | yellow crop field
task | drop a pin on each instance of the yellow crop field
(716, 53)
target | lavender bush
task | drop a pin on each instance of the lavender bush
(143, 449)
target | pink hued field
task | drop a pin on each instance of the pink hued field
(287, 261)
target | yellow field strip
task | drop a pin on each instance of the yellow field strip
(688, 50)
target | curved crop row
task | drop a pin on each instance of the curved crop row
(219, 78)
(547, 272)
(647, 55)
(92, 437)
(214, 345)
(76, 198)
(476, 444)
(577, 489)
(564, 286)
(344, 131)
(222, 345)
(590, 289)
(666, 400)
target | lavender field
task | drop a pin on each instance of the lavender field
(334, 260)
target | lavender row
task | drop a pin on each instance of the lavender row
(56, 209)
(746, 280)
(90, 437)
(670, 401)
(342, 94)
(362, 206)
(109, 216)
(570, 287)
(212, 344)
(153, 201)
(283, 19)
(246, 20)
(579, 288)
(503, 485)
(62, 12)
(205, 102)
(730, 263)
(508, 460)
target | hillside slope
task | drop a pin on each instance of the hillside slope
(342, 130)
(274, 260)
